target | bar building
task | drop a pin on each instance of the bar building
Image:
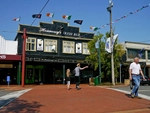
(51, 48)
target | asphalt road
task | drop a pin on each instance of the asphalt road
(145, 90)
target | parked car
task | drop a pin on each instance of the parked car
(143, 82)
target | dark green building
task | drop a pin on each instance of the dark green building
(51, 48)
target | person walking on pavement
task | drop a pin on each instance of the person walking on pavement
(77, 75)
(134, 73)
(68, 79)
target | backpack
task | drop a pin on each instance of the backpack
(74, 72)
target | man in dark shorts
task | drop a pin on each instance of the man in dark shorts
(77, 75)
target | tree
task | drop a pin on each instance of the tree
(105, 56)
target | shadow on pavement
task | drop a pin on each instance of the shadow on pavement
(128, 95)
(21, 106)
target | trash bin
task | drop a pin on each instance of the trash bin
(96, 81)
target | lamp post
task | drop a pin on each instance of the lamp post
(97, 46)
(111, 39)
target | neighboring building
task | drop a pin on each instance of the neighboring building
(132, 50)
(9, 60)
(51, 48)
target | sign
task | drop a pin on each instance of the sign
(78, 48)
(59, 32)
(2, 56)
(8, 78)
(40, 44)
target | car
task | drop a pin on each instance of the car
(143, 82)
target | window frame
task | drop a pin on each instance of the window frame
(52, 44)
(68, 52)
(31, 43)
(86, 48)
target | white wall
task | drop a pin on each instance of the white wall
(8, 46)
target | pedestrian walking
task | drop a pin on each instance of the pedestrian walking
(134, 73)
(77, 75)
(68, 78)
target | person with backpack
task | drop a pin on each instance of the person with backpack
(77, 75)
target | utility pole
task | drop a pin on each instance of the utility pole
(23, 55)
(109, 9)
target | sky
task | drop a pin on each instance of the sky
(133, 28)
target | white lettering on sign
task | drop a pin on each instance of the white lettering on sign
(59, 32)
(2, 56)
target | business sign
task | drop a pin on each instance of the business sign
(78, 48)
(40, 44)
(59, 32)
(2, 56)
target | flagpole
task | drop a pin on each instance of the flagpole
(111, 39)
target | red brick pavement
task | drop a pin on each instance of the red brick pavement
(90, 99)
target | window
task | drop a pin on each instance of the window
(31, 44)
(50, 45)
(148, 54)
(68, 47)
(85, 48)
(132, 53)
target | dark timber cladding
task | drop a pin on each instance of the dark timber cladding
(54, 42)
(51, 48)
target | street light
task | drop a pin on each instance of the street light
(109, 9)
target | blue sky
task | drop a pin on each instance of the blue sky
(93, 13)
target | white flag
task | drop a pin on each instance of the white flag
(107, 45)
(114, 39)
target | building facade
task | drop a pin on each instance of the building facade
(51, 48)
(9, 60)
(136, 49)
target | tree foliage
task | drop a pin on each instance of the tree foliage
(105, 56)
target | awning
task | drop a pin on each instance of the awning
(10, 57)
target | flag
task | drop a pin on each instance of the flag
(94, 28)
(114, 39)
(97, 44)
(140, 53)
(16, 19)
(36, 16)
(50, 14)
(68, 17)
(78, 21)
(107, 45)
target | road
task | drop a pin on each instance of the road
(143, 90)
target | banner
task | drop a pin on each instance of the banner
(107, 45)
(78, 48)
(40, 44)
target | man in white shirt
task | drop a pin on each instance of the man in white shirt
(134, 72)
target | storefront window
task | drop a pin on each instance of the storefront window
(68, 47)
(50, 45)
(31, 44)
(85, 48)
(148, 54)
(132, 53)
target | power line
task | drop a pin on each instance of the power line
(40, 11)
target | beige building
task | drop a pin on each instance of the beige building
(133, 49)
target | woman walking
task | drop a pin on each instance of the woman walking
(68, 78)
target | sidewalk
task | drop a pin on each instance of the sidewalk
(90, 99)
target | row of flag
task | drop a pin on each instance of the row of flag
(67, 17)
(116, 20)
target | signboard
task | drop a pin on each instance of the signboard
(40, 44)
(78, 48)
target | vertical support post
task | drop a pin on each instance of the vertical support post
(120, 72)
(109, 9)
(19, 74)
(99, 54)
(64, 74)
(23, 55)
